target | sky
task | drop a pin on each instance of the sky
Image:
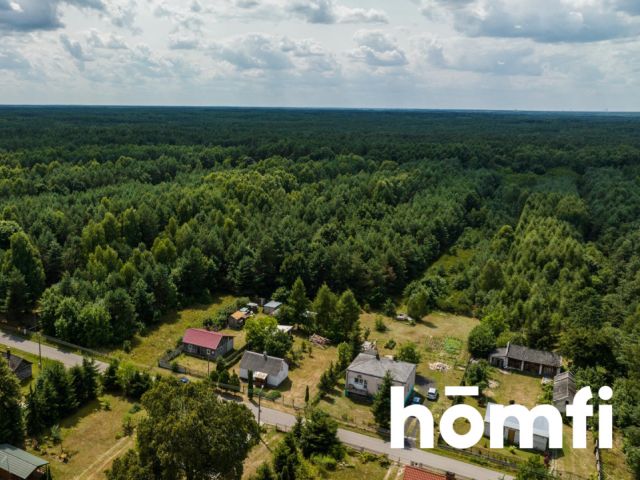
(440, 54)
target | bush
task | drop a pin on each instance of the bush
(482, 341)
(390, 345)
(273, 395)
(126, 346)
(325, 462)
(380, 326)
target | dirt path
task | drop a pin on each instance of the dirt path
(103, 461)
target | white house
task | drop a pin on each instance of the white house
(267, 370)
(365, 374)
(512, 430)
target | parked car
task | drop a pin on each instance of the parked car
(432, 394)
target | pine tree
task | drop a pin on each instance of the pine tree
(11, 422)
(382, 403)
(299, 304)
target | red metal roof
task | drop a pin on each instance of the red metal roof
(413, 473)
(203, 338)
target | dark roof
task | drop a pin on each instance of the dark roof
(518, 352)
(21, 464)
(16, 363)
(259, 362)
(564, 386)
(377, 367)
(203, 338)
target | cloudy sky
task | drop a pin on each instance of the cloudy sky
(489, 54)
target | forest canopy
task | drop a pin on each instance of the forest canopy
(111, 217)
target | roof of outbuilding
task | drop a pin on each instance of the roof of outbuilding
(564, 386)
(239, 315)
(273, 304)
(378, 367)
(259, 362)
(413, 473)
(518, 352)
(540, 424)
(203, 338)
(20, 463)
(15, 362)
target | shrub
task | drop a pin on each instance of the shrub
(390, 345)
(380, 326)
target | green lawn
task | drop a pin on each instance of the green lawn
(91, 440)
(147, 349)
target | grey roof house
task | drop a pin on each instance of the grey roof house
(267, 370)
(16, 464)
(364, 375)
(525, 359)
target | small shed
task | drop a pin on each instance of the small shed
(236, 319)
(253, 307)
(19, 366)
(16, 464)
(271, 308)
(512, 430)
(286, 329)
(564, 389)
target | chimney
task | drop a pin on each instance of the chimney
(266, 357)
(8, 353)
(450, 476)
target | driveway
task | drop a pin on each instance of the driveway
(68, 359)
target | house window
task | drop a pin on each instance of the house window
(208, 351)
(359, 381)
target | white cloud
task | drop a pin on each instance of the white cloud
(377, 49)
(262, 52)
(470, 56)
(328, 12)
(544, 21)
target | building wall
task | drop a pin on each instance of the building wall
(374, 383)
(272, 381)
(226, 345)
(539, 443)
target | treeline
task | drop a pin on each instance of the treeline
(116, 260)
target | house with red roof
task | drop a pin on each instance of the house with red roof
(205, 344)
(415, 473)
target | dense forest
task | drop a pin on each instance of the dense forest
(110, 217)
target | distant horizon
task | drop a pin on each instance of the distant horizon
(321, 108)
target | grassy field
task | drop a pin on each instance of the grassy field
(354, 465)
(261, 453)
(147, 349)
(614, 461)
(91, 440)
(511, 386)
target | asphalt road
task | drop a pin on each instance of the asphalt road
(406, 456)
(68, 359)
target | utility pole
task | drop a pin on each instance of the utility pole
(260, 404)
(39, 350)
